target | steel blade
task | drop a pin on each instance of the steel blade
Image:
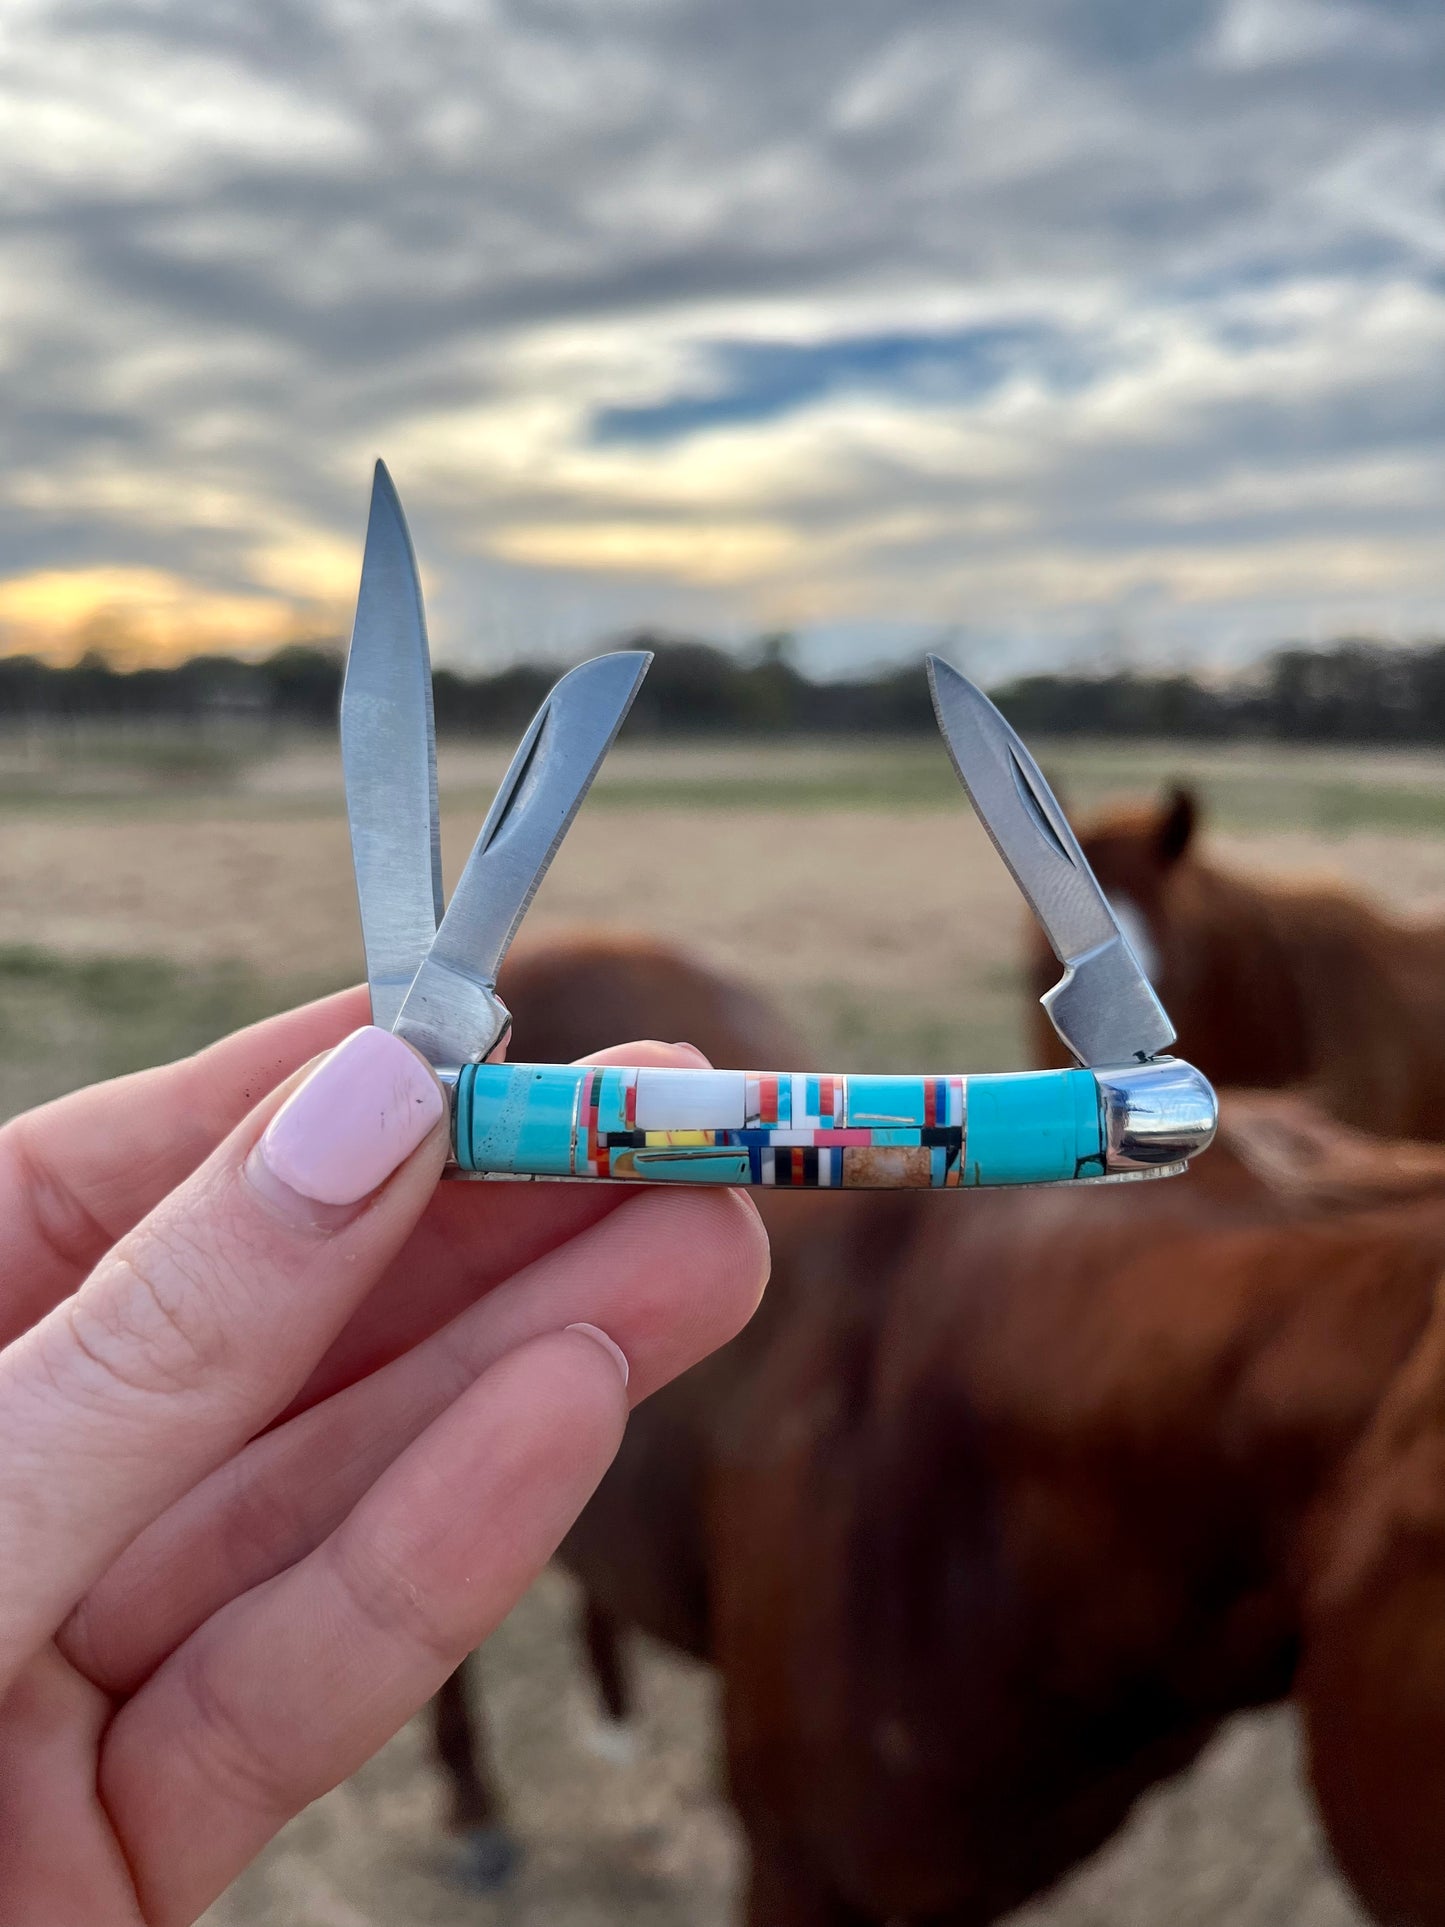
(1103, 1007)
(388, 759)
(451, 1013)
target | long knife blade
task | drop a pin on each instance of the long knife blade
(1103, 1007)
(451, 1012)
(388, 759)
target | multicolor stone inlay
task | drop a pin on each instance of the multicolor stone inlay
(778, 1129)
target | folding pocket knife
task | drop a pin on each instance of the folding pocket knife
(1129, 1111)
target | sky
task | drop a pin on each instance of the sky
(1067, 332)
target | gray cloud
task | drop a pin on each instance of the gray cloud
(246, 244)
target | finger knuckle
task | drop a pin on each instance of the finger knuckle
(227, 1754)
(149, 1323)
(270, 1519)
(66, 1232)
(376, 1577)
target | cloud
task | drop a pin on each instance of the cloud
(1063, 329)
(134, 614)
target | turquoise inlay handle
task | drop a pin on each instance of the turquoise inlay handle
(1033, 1127)
(784, 1129)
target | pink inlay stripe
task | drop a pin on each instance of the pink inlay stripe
(587, 1109)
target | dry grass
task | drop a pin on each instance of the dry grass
(890, 930)
(648, 1842)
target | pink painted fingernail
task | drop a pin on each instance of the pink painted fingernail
(360, 1114)
(609, 1345)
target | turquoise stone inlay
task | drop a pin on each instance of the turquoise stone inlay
(875, 1102)
(694, 1167)
(1033, 1127)
(520, 1118)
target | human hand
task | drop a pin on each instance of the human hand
(284, 1433)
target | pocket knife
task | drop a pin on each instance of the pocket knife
(1128, 1111)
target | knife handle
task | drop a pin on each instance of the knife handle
(783, 1129)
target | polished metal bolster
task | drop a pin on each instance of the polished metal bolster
(1157, 1113)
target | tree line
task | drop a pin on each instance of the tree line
(1355, 691)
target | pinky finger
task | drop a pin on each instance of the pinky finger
(292, 1686)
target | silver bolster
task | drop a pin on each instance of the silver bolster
(445, 1003)
(446, 1076)
(1156, 1113)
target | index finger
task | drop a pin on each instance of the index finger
(79, 1173)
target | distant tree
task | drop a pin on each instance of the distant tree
(692, 687)
(303, 683)
(489, 705)
(1356, 690)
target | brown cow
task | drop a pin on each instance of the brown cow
(1274, 983)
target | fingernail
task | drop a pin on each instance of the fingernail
(700, 1055)
(360, 1114)
(609, 1345)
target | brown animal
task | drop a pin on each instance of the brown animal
(1002, 1530)
(1011, 1498)
(1282, 1144)
(1372, 1683)
(1274, 983)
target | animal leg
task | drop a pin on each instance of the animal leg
(603, 1637)
(489, 1851)
(609, 1737)
(784, 1891)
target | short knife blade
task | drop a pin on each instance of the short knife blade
(451, 1013)
(1103, 1007)
(388, 759)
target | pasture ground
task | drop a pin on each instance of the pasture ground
(155, 892)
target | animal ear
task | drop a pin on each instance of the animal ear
(1178, 820)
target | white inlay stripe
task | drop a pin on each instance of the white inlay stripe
(691, 1100)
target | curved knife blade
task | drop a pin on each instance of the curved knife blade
(1103, 1007)
(388, 759)
(451, 1013)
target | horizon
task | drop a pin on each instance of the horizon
(756, 653)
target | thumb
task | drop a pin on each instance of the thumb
(201, 1323)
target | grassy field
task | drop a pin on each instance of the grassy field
(157, 892)
(1248, 787)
